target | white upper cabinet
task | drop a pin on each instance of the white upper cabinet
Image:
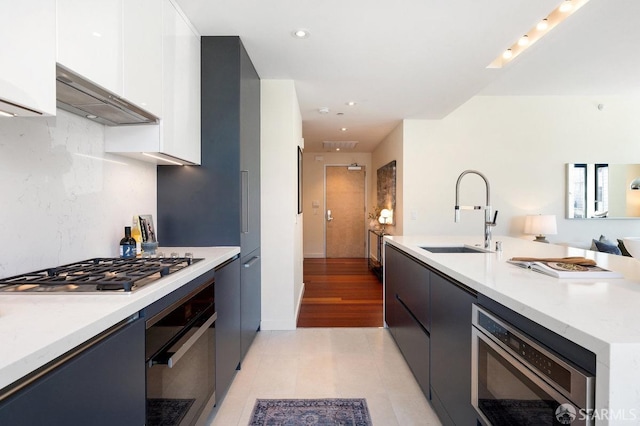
(177, 137)
(142, 65)
(27, 53)
(90, 40)
(181, 81)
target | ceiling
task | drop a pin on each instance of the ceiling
(422, 59)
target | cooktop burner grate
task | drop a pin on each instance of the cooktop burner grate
(96, 275)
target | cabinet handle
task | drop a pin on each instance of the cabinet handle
(244, 178)
(251, 262)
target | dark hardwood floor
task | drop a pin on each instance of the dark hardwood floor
(340, 293)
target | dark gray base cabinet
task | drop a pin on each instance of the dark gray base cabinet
(407, 311)
(103, 385)
(227, 300)
(451, 351)
(429, 316)
(250, 300)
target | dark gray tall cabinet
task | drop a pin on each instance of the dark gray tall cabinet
(218, 202)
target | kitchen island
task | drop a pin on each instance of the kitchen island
(36, 329)
(600, 315)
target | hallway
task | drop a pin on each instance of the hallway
(340, 293)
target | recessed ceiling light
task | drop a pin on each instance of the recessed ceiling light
(343, 129)
(301, 33)
(543, 25)
(351, 103)
(323, 110)
(566, 6)
(554, 18)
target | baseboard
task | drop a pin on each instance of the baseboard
(277, 325)
(313, 255)
(301, 295)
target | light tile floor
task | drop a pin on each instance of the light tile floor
(327, 363)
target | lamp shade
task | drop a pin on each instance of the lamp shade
(541, 224)
(386, 216)
(635, 184)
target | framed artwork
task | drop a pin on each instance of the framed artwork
(386, 187)
(299, 180)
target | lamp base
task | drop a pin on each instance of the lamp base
(541, 239)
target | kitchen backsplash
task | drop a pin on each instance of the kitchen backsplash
(63, 199)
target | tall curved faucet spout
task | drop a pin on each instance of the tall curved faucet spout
(488, 222)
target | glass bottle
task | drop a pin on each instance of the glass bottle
(127, 245)
(136, 235)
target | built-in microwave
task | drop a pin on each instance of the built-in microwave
(516, 380)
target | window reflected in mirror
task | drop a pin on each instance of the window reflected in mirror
(600, 190)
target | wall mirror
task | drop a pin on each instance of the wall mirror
(603, 190)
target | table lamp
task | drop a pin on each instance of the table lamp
(541, 225)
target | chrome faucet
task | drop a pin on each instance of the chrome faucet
(488, 222)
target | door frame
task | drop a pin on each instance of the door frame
(324, 202)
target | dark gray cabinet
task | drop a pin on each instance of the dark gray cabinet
(429, 316)
(407, 311)
(228, 346)
(250, 300)
(451, 350)
(101, 385)
(218, 202)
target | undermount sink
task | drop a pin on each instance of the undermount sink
(455, 249)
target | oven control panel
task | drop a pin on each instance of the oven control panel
(527, 350)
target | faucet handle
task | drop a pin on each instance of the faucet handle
(495, 217)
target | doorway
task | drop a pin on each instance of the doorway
(345, 214)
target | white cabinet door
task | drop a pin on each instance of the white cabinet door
(142, 47)
(27, 52)
(177, 137)
(181, 81)
(90, 40)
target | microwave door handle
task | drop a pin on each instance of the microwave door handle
(175, 357)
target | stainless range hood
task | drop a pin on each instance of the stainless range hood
(77, 95)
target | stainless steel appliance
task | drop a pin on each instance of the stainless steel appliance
(112, 275)
(80, 96)
(180, 356)
(516, 380)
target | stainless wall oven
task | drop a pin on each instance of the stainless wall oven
(180, 356)
(516, 380)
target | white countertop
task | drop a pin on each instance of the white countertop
(602, 315)
(36, 328)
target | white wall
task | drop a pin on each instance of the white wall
(63, 198)
(521, 144)
(314, 191)
(281, 236)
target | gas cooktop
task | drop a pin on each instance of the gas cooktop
(104, 275)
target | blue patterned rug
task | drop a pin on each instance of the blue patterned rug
(310, 412)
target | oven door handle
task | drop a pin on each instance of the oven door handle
(185, 347)
(191, 341)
